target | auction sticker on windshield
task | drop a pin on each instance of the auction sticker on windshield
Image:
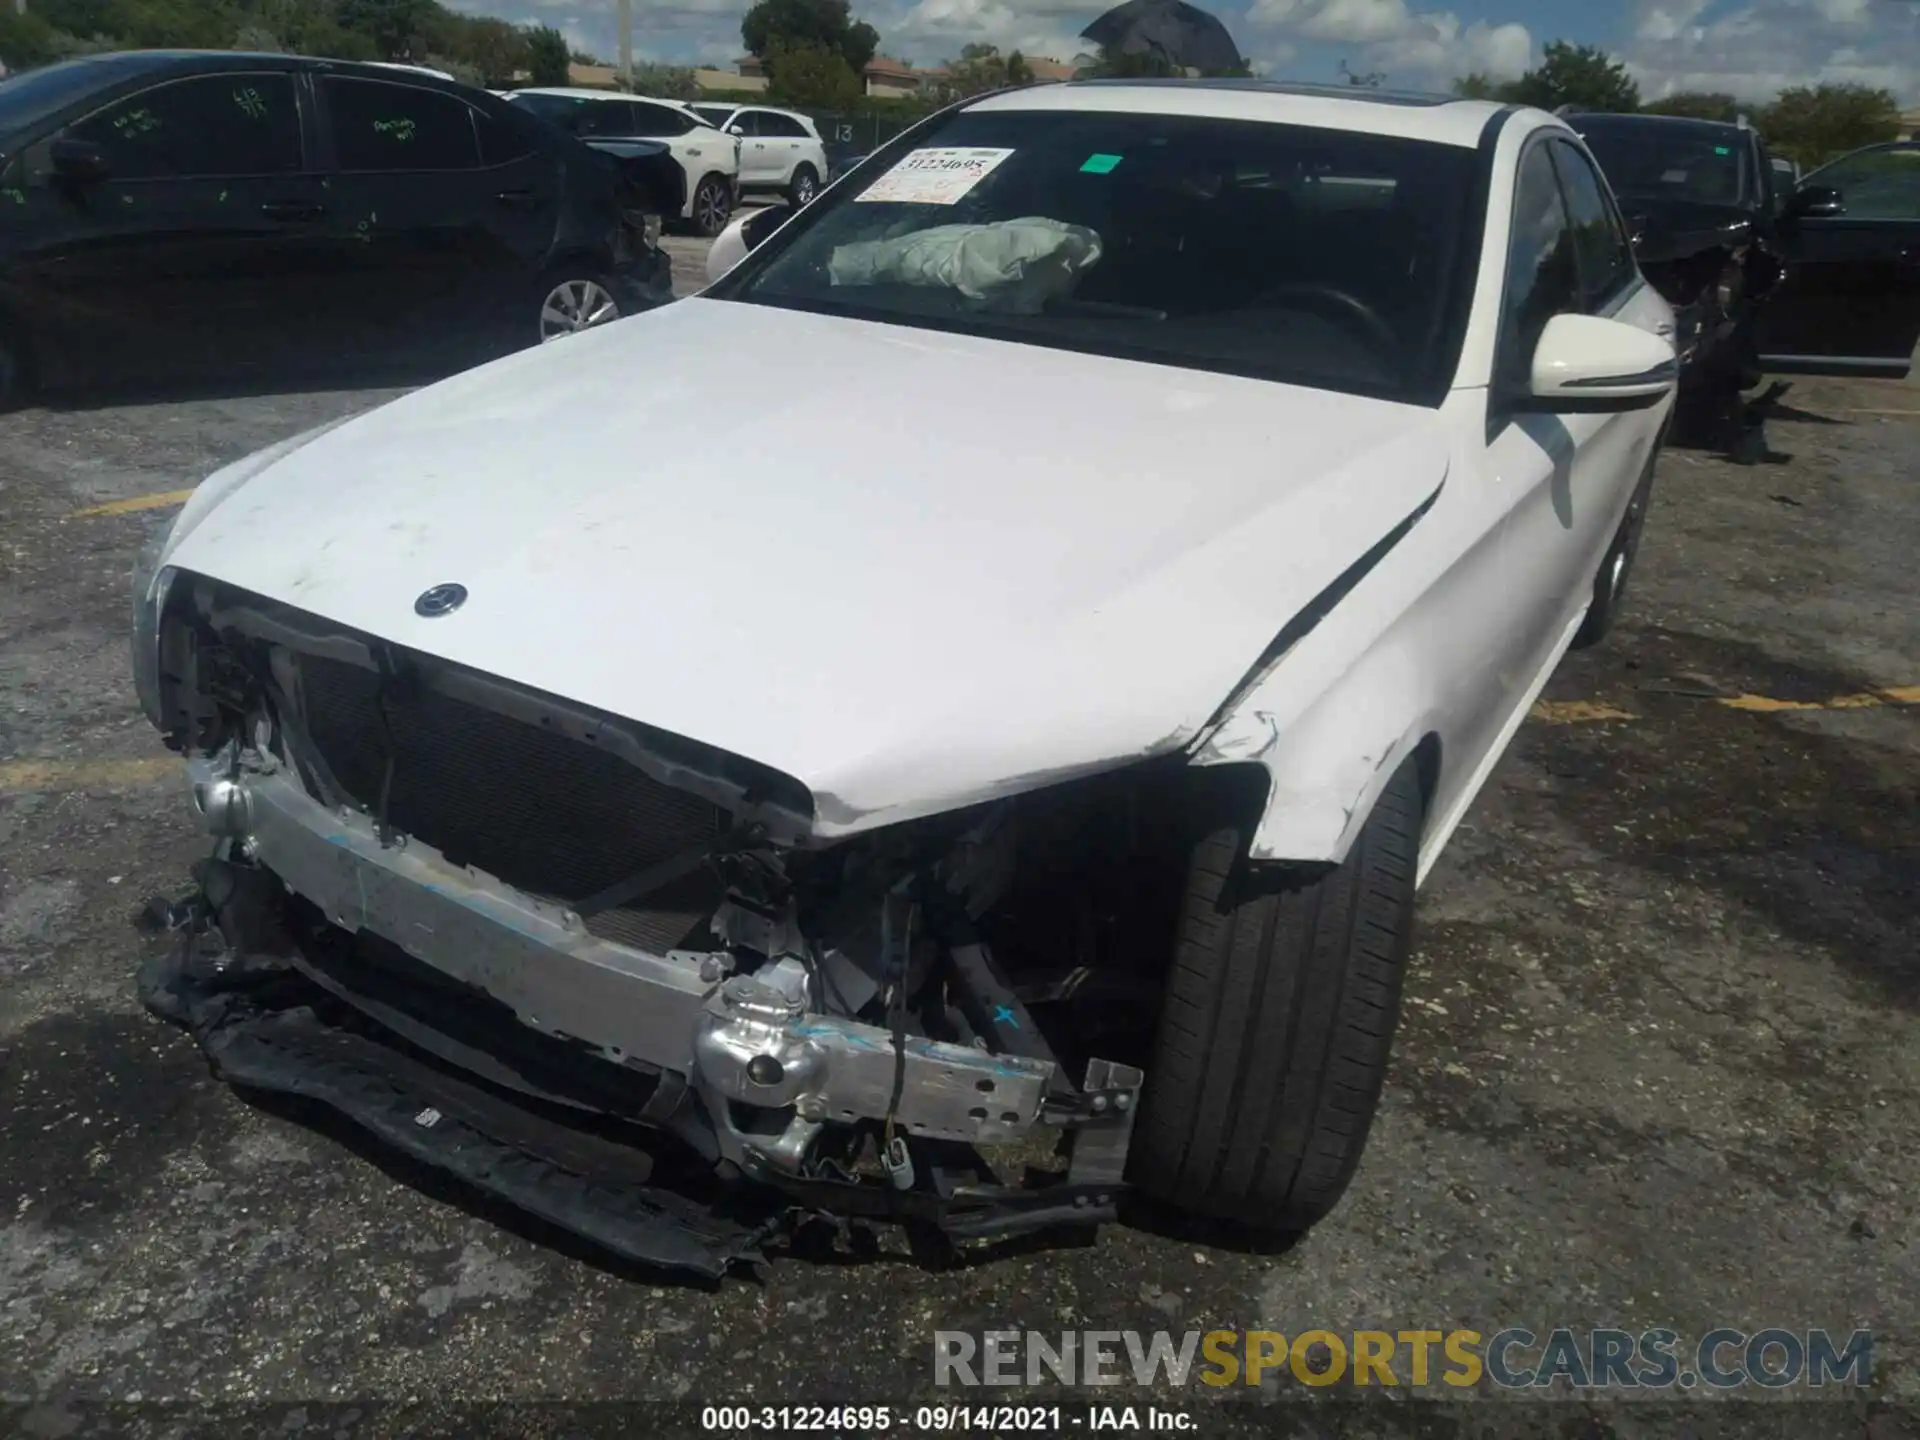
(935, 176)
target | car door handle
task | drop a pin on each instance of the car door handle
(292, 210)
(518, 199)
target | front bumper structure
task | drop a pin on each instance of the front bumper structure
(585, 1032)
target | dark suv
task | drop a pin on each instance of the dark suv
(169, 214)
(1763, 279)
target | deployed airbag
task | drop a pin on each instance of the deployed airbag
(1012, 265)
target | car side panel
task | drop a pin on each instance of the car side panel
(1850, 304)
(1451, 637)
(1431, 641)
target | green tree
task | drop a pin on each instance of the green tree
(1477, 86)
(26, 40)
(390, 25)
(979, 69)
(1696, 105)
(1369, 79)
(662, 82)
(547, 58)
(1019, 72)
(812, 76)
(1118, 65)
(1813, 124)
(1580, 75)
(495, 50)
(773, 25)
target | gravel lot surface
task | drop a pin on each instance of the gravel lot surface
(1659, 1065)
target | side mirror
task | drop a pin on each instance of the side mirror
(736, 130)
(745, 233)
(78, 160)
(1816, 202)
(1585, 364)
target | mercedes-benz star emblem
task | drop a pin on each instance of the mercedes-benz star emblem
(440, 600)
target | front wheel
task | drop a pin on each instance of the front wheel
(804, 187)
(1277, 1022)
(712, 206)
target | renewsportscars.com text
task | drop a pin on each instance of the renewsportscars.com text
(1511, 1359)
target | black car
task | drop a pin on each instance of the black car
(173, 214)
(1762, 279)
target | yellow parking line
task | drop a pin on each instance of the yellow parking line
(135, 502)
(1578, 712)
(1591, 712)
(27, 776)
(1871, 700)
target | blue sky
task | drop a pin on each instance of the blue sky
(1749, 47)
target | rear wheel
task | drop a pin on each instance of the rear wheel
(712, 205)
(1277, 1022)
(572, 301)
(13, 374)
(1610, 585)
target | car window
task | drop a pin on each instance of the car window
(378, 125)
(747, 122)
(32, 96)
(1668, 160)
(1174, 239)
(720, 115)
(1543, 277)
(1600, 244)
(233, 124)
(604, 119)
(501, 141)
(659, 122)
(783, 127)
(1876, 184)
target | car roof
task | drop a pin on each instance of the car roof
(1444, 119)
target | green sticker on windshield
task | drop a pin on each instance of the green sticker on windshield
(1722, 150)
(1099, 164)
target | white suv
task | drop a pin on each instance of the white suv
(779, 149)
(710, 158)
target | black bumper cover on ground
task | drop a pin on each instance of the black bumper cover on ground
(264, 1026)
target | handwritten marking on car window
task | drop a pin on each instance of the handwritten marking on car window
(250, 103)
(19, 197)
(136, 122)
(401, 130)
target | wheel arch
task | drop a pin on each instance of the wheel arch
(1327, 768)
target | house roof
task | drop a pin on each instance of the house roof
(886, 67)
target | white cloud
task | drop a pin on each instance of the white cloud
(1757, 48)
(1358, 22)
(931, 30)
(1414, 47)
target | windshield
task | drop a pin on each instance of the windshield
(713, 114)
(1659, 161)
(28, 98)
(1321, 257)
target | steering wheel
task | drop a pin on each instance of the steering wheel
(1331, 299)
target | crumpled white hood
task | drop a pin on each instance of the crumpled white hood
(909, 569)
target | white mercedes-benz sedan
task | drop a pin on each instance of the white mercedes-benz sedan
(1035, 714)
